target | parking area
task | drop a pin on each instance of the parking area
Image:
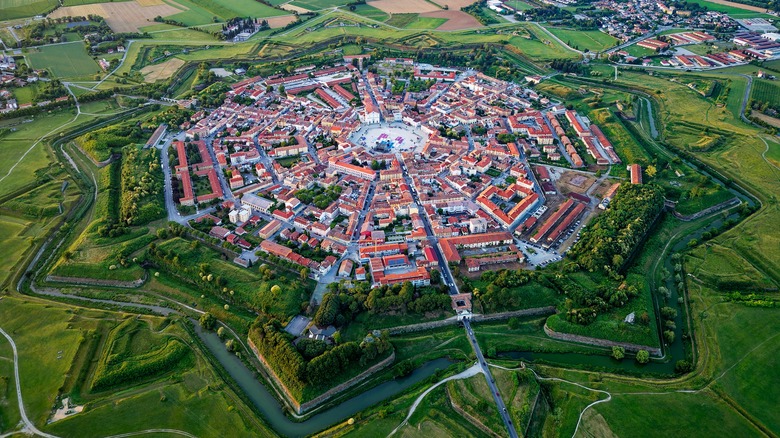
(536, 255)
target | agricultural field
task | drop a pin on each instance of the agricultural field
(404, 6)
(520, 5)
(371, 12)
(126, 16)
(65, 60)
(401, 20)
(426, 22)
(591, 40)
(316, 5)
(733, 9)
(453, 20)
(13, 9)
(766, 91)
(161, 71)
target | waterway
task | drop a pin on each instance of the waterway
(271, 410)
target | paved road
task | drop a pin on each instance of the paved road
(444, 268)
(502, 409)
(29, 427)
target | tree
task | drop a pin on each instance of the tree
(683, 366)
(304, 273)
(651, 171)
(207, 321)
(514, 323)
(276, 290)
(435, 276)
(618, 352)
(642, 356)
(669, 336)
(221, 332)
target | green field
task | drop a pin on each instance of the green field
(371, 12)
(592, 40)
(203, 11)
(316, 5)
(732, 11)
(639, 52)
(414, 21)
(21, 159)
(64, 60)
(56, 346)
(12, 9)
(401, 20)
(520, 5)
(765, 91)
(80, 2)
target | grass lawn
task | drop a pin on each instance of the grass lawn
(25, 94)
(64, 60)
(592, 40)
(12, 9)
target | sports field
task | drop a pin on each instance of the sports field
(64, 60)
(12, 9)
